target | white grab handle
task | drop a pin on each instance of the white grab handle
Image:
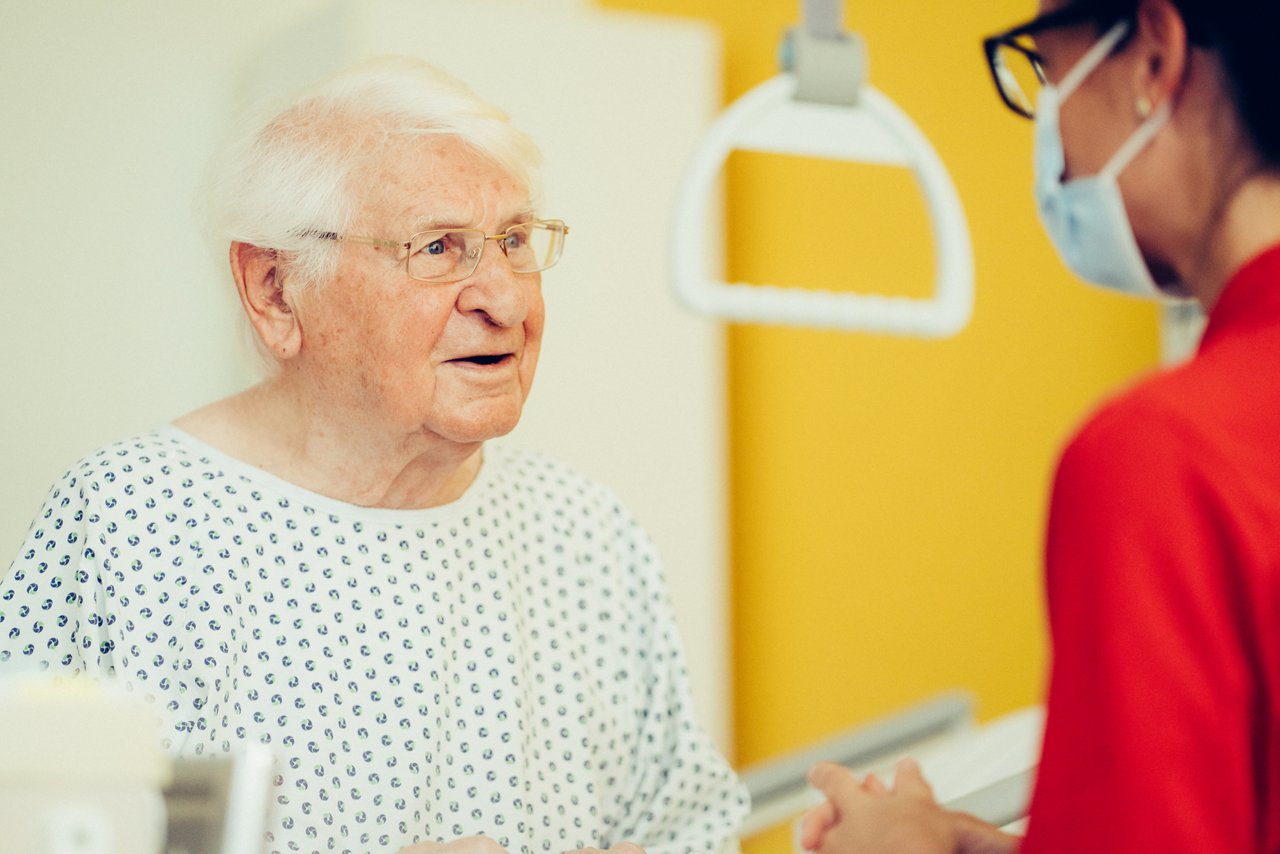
(875, 130)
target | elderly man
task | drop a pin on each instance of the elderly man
(438, 638)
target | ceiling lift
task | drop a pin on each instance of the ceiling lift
(821, 106)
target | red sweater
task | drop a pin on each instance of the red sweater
(1163, 584)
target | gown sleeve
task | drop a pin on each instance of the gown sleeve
(685, 798)
(54, 608)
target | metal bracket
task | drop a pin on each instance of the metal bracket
(830, 65)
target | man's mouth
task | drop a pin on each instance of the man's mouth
(489, 359)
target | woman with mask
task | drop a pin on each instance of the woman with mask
(1157, 172)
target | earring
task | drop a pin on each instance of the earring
(1143, 106)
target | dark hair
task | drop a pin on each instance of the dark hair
(1242, 33)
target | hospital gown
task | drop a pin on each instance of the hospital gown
(504, 665)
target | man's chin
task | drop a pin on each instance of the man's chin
(480, 427)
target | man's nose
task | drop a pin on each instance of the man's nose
(496, 290)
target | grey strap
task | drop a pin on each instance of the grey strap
(823, 19)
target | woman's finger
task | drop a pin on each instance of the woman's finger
(836, 782)
(815, 824)
(908, 779)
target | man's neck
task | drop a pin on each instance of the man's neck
(271, 427)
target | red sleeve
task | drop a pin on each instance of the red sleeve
(1147, 743)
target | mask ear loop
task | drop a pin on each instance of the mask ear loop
(1139, 140)
(1085, 66)
(1092, 58)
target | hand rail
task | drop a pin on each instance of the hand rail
(768, 118)
(822, 107)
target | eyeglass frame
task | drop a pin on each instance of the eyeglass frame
(554, 224)
(1065, 17)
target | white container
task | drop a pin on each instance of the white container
(81, 769)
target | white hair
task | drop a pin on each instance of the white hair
(288, 173)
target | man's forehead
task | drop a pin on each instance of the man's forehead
(433, 182)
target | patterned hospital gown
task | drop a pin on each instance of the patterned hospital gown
(504, 665)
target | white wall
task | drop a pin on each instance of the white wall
(117, 318)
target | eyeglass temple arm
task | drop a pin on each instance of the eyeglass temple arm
(367, 241)
(548, 224)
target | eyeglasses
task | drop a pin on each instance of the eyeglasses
(452, 254)
(1016, 67)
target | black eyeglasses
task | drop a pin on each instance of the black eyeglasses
(1016, 67)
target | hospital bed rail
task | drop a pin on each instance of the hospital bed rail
(986, 770)
(778, 787)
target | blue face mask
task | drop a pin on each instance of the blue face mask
(1085, 217)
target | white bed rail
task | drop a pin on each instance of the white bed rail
(778, 787)
(986, 770)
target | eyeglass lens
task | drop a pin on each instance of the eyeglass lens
(452, 255)
(1020, 77)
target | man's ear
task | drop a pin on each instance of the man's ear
(261, 289)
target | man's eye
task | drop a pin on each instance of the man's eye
(516, 240)
(435, 247)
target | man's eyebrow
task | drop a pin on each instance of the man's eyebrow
(525, 214)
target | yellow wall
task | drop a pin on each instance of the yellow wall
(888, 495)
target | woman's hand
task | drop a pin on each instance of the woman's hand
(975, 836)
(869, 818)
